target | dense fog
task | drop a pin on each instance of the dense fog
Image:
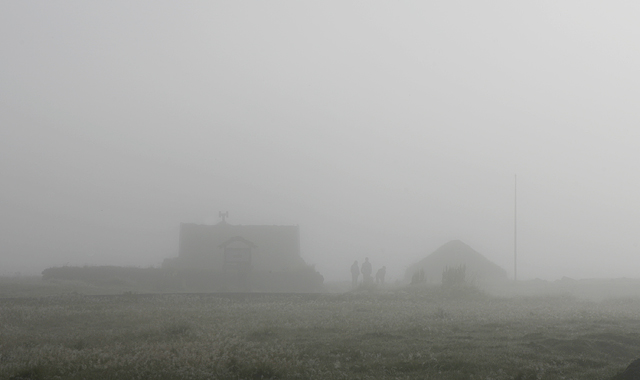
(382, 129)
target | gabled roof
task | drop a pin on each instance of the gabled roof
(455, 253)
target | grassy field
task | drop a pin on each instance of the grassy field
(410, 333)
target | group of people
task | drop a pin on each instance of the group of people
(366, 271)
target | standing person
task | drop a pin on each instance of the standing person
(355, 273)
(380, 275)
(366, 272)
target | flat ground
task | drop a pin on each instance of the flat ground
(410, 333)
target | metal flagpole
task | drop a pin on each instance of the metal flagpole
(515, 228)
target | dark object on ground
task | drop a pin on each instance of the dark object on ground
(631, 373)
(418, 277)
(454, 276)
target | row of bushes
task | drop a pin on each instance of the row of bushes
(190, 280)
(451, 276)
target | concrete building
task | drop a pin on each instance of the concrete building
(227, 257)
(221, 246)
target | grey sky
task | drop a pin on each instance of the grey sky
(384, 129)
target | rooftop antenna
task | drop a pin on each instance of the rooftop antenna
(515, 228)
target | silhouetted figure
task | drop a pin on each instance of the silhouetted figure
(355, 273)
(380, 275)
(366, 272)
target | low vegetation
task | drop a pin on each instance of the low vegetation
(411, 333)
